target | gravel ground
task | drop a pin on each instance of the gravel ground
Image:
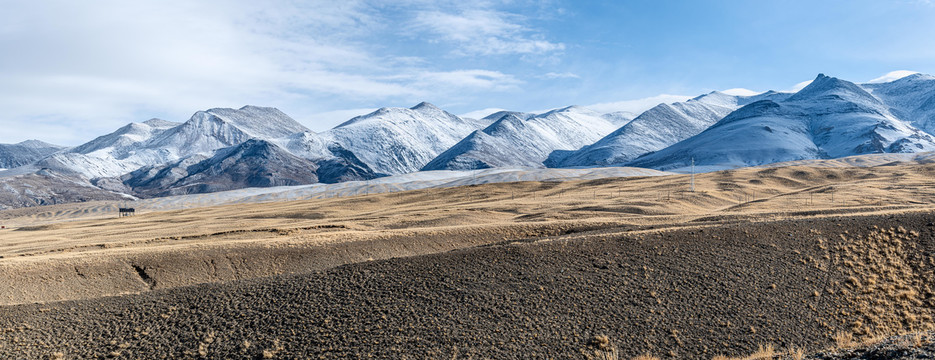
(687, 293)
(908, 347)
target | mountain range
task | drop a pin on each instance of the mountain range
(224, 149)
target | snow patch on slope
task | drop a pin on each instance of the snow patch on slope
(829, 118)
(515, 141)
(398, 141)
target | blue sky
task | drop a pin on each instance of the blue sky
(71, 70)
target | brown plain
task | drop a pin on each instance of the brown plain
(52, 253)
(70, 252)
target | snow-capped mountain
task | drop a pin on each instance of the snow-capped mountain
(657, 128)
(396, 141)
(163, 157)
(213, 129)
(26, 152)
(157, 142)
(253, 163)
(220, 149)
(911, 98)
(619, 118)
(515, 141)
(113, 154)
(829, 118)
(47, 188)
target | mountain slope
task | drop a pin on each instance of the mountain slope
(253, 163)
(157, 142)
(26, 152)
(514, 141)
(396, 141)
(217, 128)
(656, 128)
(829, 118)
(911, 98)
(46, 187)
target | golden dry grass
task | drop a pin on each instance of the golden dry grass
(764, 351)
(436, 220)
(646, 357)
(745, 193)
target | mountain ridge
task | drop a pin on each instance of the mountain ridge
(215, 148)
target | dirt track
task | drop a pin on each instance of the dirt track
(689, 293)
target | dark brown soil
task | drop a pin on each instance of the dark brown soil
(689, 293)
(914, 346)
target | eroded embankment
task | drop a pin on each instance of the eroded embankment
(689, 293)
(211, 258)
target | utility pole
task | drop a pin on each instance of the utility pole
(693, 175)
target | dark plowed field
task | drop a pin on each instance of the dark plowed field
(687, 293)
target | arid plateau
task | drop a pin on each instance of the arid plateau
(799, 260)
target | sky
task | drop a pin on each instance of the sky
(74, 70)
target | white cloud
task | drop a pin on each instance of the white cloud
(564, 75)
(95, 65)
(637, 106)
(741, 92)
(480, 114)
(330, 119)
(460, 79)
(892, 76)
(800, 86)
(483, 32)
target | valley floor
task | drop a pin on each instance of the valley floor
(683, 293)
(797, 257)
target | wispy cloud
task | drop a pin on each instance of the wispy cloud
(467, 79)
(479, 114)
(564, 75)
(639, 105)
(741, 92)
(800, 86)
(483, 32)
(893, 76)
(330, 119)
(96, 65)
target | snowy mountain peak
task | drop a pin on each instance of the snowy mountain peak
(892, 76)
(717, 98)
(758, 108)
(573, 111)
(393, 113)
(122, 139)
(160, 123)
(509, 118)
(499, 114)
(38, 144)
(400, 140)
(824, 86)
(425, 106)
(655, 129)
(516, 140)
(261, 122)
(829, 118)
(26, 152)
(914, 78)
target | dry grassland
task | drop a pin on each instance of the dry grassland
(83, 251)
